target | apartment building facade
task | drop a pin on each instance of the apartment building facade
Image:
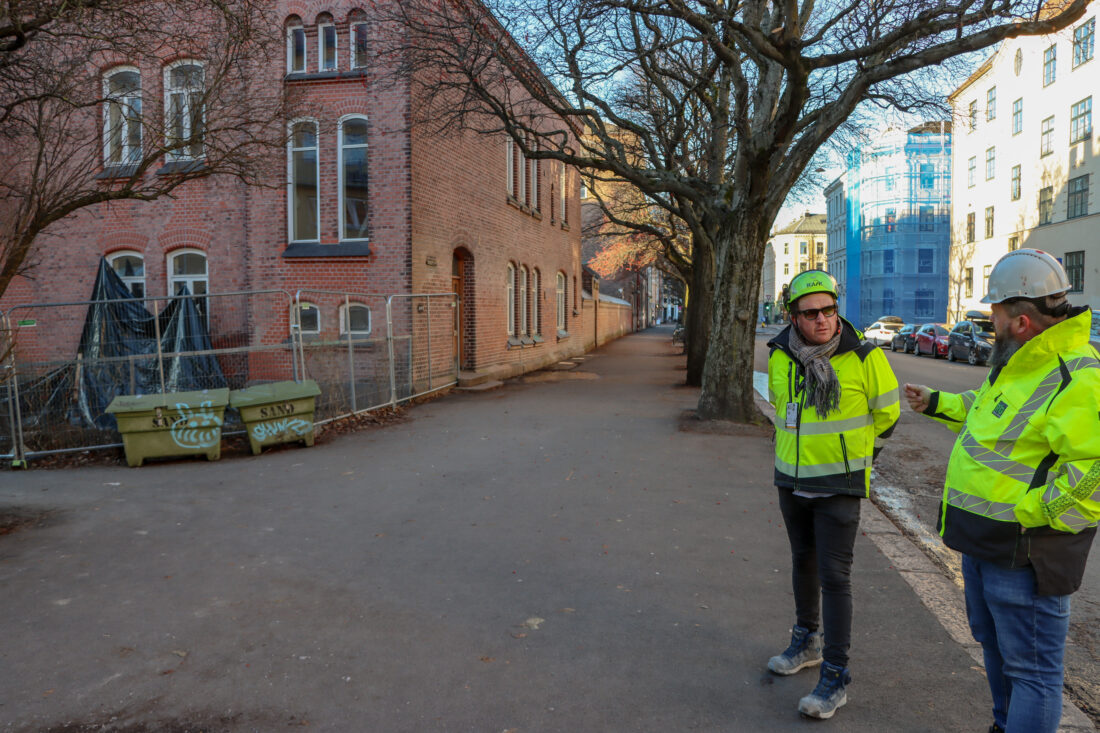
(896, 202)
(1026, 143)
(836, 231)
(801, 245)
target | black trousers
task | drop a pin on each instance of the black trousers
(822, 533)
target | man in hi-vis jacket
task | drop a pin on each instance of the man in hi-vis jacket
(836, 399)
(1022, 495)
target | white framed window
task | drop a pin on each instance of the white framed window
(353, 178)
(326, 47)
(122, 116)
(510, 166)
(185, 109)
(559, 292)
(536, 295)
(187, 268)
(358, 45)
(521, 179)
(523, 327)
(303, 212)
(510, 298)
(130, 267)
(564, 196)
(307, 316)
(296, 54)
(354, 320)
(534, 173)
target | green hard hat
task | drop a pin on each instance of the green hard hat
(810, 281)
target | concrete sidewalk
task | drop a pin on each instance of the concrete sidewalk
(554, 555)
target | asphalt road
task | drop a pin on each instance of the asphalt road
(909, 483)
(569, 552)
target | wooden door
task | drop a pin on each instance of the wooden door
(458, 271)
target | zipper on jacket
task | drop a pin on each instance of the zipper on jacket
(844, 452)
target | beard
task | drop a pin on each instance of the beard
(1003, 349)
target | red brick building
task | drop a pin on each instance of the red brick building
(363, 205)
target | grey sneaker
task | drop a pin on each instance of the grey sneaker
(829, 694)
(804, 651)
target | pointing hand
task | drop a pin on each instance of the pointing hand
(918, 397)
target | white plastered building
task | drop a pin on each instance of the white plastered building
(1025, 157)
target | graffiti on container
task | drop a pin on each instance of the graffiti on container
(275, 428)
(196, 429)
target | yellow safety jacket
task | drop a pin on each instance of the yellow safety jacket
(832, 454)
(1023, 480)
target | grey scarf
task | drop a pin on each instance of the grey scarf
(822, 386)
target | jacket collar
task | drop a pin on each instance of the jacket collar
(1066, 335)
(850, 338)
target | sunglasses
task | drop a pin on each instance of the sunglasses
(810, 314)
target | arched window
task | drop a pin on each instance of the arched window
(122, 117)
(536, 295)
(185, 110)
(523, 327)
(130, 267)
(354, 320)
(187, 269)
(358, 40)
(326, 44)
(353, 178)
(295, 46)
(303, 214)
(510, 299)
(560, 292)
(308, 318)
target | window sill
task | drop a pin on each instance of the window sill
(177, 167)
(314, 249)
(358, 342)
(526, 209)
(562, 335)
(514, 342)
(117, 171)
(536, 339)
(326, 75)
(565, 226)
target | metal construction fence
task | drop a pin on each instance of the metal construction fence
(61, 364)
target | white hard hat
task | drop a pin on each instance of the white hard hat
(1026, 273)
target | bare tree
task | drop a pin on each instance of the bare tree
(730, 102)
(108, 100)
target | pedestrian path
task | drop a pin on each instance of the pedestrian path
(564, 553)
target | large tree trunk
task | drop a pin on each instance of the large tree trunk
(728, 392)
(697, 320)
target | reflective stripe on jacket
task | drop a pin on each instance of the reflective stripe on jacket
(1028, 456)
(832, 454)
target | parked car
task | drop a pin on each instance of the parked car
(1094, 333)
(970, 340)
(881, 333)
(903, 339)
(931, 339)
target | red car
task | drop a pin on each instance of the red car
(931, 339)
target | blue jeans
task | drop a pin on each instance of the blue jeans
(1023, 637)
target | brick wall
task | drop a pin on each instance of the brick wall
(431, 198)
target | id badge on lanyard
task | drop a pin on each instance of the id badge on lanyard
(792, 415)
